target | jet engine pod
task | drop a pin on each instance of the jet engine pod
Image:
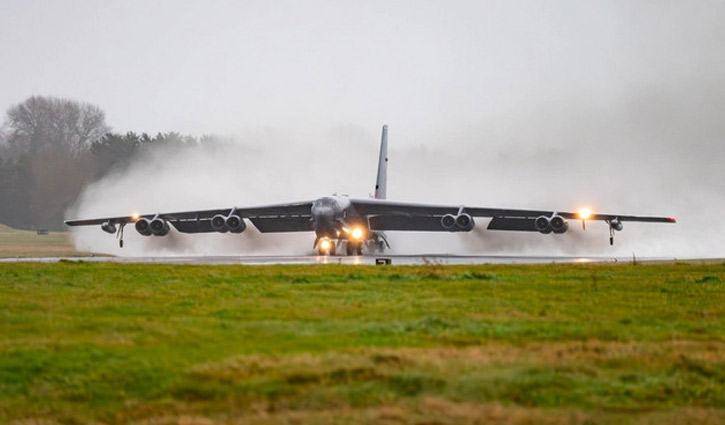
(448, 221)
(542, 224)
(558, 224)
(143, 226)
(235, 224)
(108, 227)
(616, 224)
(159, 226)
(219, 223)
(464, 222)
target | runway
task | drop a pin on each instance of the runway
(352, 260)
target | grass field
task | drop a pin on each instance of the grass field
(26, 243)
(554, 344)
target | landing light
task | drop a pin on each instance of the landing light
(325, 245)
(584, 213)
(135, 216)
(357, 233)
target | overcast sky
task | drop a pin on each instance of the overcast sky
(424, 67)
(614, 104)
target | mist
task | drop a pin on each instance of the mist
(270, 166)
(614, 105)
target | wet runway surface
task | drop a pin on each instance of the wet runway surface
(352, 260)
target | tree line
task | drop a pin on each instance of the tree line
(52, 148)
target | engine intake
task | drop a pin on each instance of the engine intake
(235, 224)
(543, 224)
(448, 221)
(464, 222)
(558, 224)
(219, 223)
(159, 227)
(143, 226)
(232, 223)
(457, 223)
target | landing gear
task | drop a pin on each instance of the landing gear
(354, 248)
(325, 246)
(614, 224)
(378, 243)
(329, 251)
(119, 235)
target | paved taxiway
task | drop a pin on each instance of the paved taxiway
(395, 259)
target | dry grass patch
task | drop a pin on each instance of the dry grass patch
(435, 411)
(26, 243)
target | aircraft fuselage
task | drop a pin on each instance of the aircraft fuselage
(334, 216)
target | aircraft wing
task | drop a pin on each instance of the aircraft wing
(387, 215)
(291, 217)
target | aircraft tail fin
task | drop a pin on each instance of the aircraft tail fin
(381, 184)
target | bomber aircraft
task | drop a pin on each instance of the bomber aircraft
(340, 222)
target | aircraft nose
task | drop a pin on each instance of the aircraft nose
(323, 212)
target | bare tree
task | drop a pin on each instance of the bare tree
(41, 124)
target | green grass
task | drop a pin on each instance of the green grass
(575, 344)
(26, 243)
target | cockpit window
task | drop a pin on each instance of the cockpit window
(325, 202)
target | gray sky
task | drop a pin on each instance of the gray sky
(426, 67)
(618, 105)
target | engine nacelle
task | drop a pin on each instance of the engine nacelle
(558, 224)
(448, 222)
(219, 223)
(143, 226)
(108, 227)
(543, 224)
(464, 223)
(235, 224)
(159, 226)
(616, 224)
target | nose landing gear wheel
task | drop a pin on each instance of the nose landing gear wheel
(329, 252)
(326, 247)
(353, 248)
